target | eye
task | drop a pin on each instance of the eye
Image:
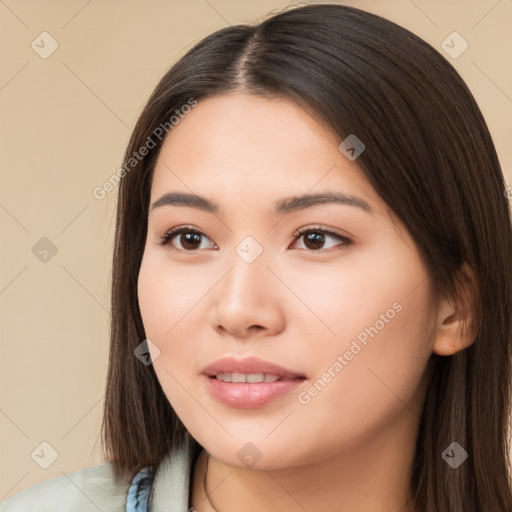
(189, 238)
(317, 235)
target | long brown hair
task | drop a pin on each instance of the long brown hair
(428, 154)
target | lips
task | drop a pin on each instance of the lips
(239, 383)
(249, 365)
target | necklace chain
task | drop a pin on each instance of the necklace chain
(204, 483)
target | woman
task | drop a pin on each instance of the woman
(311, 284)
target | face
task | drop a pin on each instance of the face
(334, 292)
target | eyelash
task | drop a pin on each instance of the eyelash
(167, 237)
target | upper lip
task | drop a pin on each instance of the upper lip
(248, 365)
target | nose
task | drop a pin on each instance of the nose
(249, 300)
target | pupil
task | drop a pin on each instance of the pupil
(189, 238)
(316, 239)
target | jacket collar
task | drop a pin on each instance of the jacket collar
(172, 482)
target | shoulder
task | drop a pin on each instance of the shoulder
(90, 489)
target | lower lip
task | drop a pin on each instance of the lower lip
(245, 395)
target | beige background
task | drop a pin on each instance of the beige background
(65, 121)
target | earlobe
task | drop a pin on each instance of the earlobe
(456, 325)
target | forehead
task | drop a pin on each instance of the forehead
(243, 147)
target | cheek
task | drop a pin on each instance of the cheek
(165, 295)
(151, 299)
(375, 313)
(167, 300)
(357, 387)
(345, 297)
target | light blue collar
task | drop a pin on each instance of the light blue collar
(167, 491)
(172, 483)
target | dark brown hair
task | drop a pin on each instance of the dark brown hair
(428, 154)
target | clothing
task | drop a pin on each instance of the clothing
(140, 490)
(94, 488)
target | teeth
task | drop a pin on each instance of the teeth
(246, 377)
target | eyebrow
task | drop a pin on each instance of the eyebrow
(282, 206)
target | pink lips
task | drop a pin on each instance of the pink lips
(247, 395)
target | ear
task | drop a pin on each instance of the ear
(456, 323)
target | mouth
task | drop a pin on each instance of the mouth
(250, 383)
(250, 369)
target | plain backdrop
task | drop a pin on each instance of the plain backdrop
(65, 121)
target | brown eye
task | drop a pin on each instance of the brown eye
(315, 238)
(190, 239)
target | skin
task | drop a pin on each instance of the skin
(351, 448)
